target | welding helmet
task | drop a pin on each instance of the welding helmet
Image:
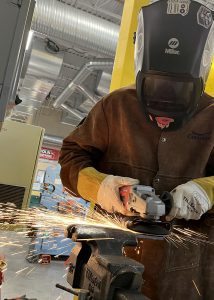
(174, 47)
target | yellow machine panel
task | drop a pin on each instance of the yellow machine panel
(19, 149)
(123, 72)
(210, 82)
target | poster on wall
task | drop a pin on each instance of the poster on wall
(48, 153)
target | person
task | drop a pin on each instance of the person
(159, 133)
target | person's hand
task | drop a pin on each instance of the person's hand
(190, 201)
(108, 196)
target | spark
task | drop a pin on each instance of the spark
(22, 270)
(16, 253)
(38, 222)
(196, 288)
(9, 244)
(40, 218)
(182, 237)
(30, 271)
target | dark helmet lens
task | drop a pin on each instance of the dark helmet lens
(167, 95)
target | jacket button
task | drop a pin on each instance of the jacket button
(156, 181)
(163, 140)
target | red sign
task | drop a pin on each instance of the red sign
(50, 154)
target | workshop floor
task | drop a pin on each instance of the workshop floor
(36, 281)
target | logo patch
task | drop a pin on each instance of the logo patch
(199, 136)
(204, 17)
(178, 7)
(173, 44)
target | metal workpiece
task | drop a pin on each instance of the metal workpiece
(93, 232)
(97, 263)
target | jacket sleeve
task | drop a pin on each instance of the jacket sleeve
(207, 183)
(84, 146)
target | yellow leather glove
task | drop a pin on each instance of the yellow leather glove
(192, 199)
(103, 189)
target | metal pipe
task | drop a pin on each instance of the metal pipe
(75, 27)
(86, 70)
(87, 93)
(42, 70)
(52, 139)
(77, 114)
(104, 84)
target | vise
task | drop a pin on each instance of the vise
(97, 267)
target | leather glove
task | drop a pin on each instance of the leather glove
(103, 189)
(190, 201)
(108, 196)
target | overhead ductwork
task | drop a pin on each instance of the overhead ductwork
(77, 82)
(104, 84)
(74, 27)
(41, 74)
(51, 140)
(88, 94)
(73, 112)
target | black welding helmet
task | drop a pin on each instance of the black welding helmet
(174, 48)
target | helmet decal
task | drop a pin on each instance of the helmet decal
(139, 45)
(178, 7)
(204, 17)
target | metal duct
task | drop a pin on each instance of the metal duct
(82, 89)
(77, 114)
(86, 106)
(104, 84)
(75, 27)
(52, 140)
(42, 71)
(86, 70)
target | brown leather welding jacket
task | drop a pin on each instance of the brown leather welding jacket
(117, 139)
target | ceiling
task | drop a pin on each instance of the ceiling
(68, 65)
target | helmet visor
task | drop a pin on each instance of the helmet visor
(167, 96)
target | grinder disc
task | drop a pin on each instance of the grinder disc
(148, 227)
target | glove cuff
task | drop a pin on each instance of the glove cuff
(196, 186)
(89, 181)
(207, 184)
